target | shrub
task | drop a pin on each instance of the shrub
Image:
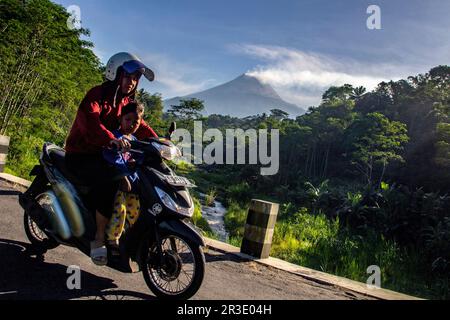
(199, 221)
(211, 197)
(239, 193)
(235, 219)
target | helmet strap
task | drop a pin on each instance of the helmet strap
(115, 95)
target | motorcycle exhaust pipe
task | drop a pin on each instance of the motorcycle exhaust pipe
(52, 218)
(57, 217)
(68, 205)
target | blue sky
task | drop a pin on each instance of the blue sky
(300, 47)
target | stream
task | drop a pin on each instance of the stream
(214, 215)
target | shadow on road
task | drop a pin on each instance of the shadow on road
(220, 256)
(26, 276)
(9, 193)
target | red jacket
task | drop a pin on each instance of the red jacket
(97, 116)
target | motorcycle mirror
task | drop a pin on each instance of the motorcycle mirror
(173, 127)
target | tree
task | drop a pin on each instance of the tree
(153, 109)
(188, 109)
(342, 93)
(374, 140)
(442, 158)
(279, 114)
(358, 93)
(45, 71)
(328, 122)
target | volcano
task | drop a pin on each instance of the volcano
(241, 97)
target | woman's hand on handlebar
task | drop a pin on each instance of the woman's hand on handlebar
(120, 144)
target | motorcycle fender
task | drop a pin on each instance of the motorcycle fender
(182, 228)
(37, 170)
(178, 227)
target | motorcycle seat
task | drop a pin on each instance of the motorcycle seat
(56, 156)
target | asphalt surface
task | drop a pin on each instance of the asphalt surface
(25, 275)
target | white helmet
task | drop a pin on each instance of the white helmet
(130, 63)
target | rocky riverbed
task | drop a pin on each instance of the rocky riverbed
(214, 215)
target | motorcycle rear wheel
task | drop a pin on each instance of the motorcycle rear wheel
(35, 235)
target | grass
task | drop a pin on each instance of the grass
(235, 219)
(200, 221)
(23, 156)
(319, 243)
(316, 242)
(210, 198)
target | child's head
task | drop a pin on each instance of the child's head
(131, 117)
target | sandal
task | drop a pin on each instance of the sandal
(99, 255)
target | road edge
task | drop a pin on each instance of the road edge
(15, 180)
(307, 273)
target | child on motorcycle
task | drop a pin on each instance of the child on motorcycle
(126, 204)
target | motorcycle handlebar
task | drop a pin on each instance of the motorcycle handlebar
(137, 146)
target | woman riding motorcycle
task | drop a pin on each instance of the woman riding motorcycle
(97, 116)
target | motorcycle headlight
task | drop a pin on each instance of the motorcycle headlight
(172, 205)
(167, 152)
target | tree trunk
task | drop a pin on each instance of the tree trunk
(382, 173)
(325, 167)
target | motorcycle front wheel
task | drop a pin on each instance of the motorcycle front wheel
(180, 273)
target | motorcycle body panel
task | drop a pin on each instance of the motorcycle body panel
(76, 225)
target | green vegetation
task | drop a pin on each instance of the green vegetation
(153, 110)
(46, 70)
(324, 244)
(363, 180)
(200, 222)
(211, 197)
(235, 219)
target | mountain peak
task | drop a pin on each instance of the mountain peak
(250, 84)
(241, 97)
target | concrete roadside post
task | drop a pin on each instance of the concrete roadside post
(4, 145)
(261, 219)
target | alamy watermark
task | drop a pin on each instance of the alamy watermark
(74, 21)
(74, 280)
(374, 281)
(374, 20)
(232, 149)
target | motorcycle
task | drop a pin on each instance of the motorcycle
(163, 243)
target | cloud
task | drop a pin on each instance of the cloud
(100, 54)
(302, 77)
(174, 78)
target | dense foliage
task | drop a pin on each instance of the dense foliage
(374, 165)
(46, 70)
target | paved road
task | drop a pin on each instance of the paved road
(27, 276)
